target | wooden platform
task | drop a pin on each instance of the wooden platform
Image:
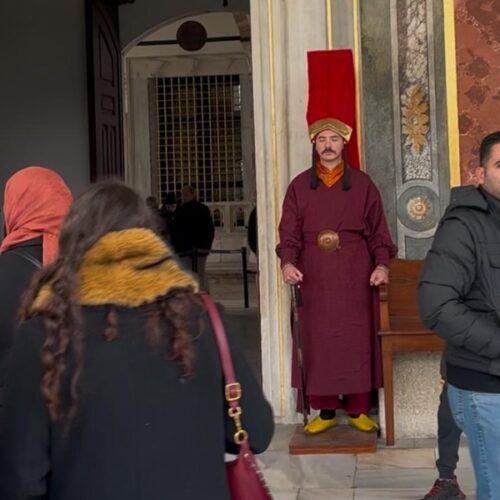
(341, 439)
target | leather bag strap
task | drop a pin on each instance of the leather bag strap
(27, 257)
(232, 388)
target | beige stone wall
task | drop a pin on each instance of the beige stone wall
(417, 388)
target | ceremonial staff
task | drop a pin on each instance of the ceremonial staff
(296, 303)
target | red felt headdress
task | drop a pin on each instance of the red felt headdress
(332, 97)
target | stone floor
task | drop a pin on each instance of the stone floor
(226, 286)
(404, 472)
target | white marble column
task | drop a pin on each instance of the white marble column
(138, 164)
(247, 138)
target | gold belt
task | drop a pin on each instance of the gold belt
(328, 240)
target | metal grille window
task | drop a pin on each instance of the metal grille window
(197, 136)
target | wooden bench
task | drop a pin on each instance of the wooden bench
(400, 328)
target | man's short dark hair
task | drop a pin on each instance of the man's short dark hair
(486, 145)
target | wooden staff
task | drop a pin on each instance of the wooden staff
(296, 303)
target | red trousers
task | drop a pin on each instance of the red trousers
(351, 403)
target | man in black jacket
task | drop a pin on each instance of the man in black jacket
(194, 230)
(459, 296)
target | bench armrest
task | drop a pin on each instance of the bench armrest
(385, 325)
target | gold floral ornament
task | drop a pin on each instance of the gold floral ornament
(418, 208)
(415, 118)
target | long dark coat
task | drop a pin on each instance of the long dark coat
(15, 276)
(193, 227)
(141, 433)
(339, 314)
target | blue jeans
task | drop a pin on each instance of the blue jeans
(478, 415)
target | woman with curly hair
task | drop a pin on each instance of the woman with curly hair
(116, 388)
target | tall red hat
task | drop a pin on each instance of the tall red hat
(332, 97)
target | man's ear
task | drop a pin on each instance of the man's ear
(479, 175)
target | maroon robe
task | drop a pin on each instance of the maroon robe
(339, 316)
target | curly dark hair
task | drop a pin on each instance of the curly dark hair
(104, 208)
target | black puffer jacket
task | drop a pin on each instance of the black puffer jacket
(459, 289)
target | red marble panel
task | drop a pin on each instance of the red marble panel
(477, 32)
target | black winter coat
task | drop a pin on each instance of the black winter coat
(459, 288)
(252, 231)
(15, 275)
(193, 227)
(141, 433)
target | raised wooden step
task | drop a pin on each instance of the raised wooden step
(341, 439)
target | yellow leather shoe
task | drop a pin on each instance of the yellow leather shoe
(318, 425)
(363, 423)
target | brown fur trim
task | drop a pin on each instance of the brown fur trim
(126, 268)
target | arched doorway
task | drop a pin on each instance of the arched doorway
(188, 119)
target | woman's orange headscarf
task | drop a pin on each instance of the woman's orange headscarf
(36, 200)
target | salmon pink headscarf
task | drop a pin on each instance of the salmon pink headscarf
(36, 200)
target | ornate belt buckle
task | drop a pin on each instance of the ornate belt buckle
(328, 240)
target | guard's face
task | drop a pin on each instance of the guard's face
(329, 146)
(489, 173)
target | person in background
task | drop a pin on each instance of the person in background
(167, 211)
(194, 230)
(252, 232)
(116, 391)
(36, 200)
(152, 202)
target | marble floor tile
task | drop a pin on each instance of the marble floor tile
(418, 459)
(326, 471)
(284, 472)
(464, 461)
(285, 494)
(326, 494)
(282, 436)
(395, 478)
(425, 442)
(280, 472)
(388, 494)
(400, 444)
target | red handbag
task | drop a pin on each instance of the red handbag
(246, 481)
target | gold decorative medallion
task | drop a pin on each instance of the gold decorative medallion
(418, 208)
(328, 240)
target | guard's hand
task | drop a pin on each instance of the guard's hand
(291, 275)
(380, 276)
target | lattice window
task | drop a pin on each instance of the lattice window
(197, 136)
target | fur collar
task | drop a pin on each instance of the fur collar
(126, 268)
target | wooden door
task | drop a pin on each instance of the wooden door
(104, 90)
